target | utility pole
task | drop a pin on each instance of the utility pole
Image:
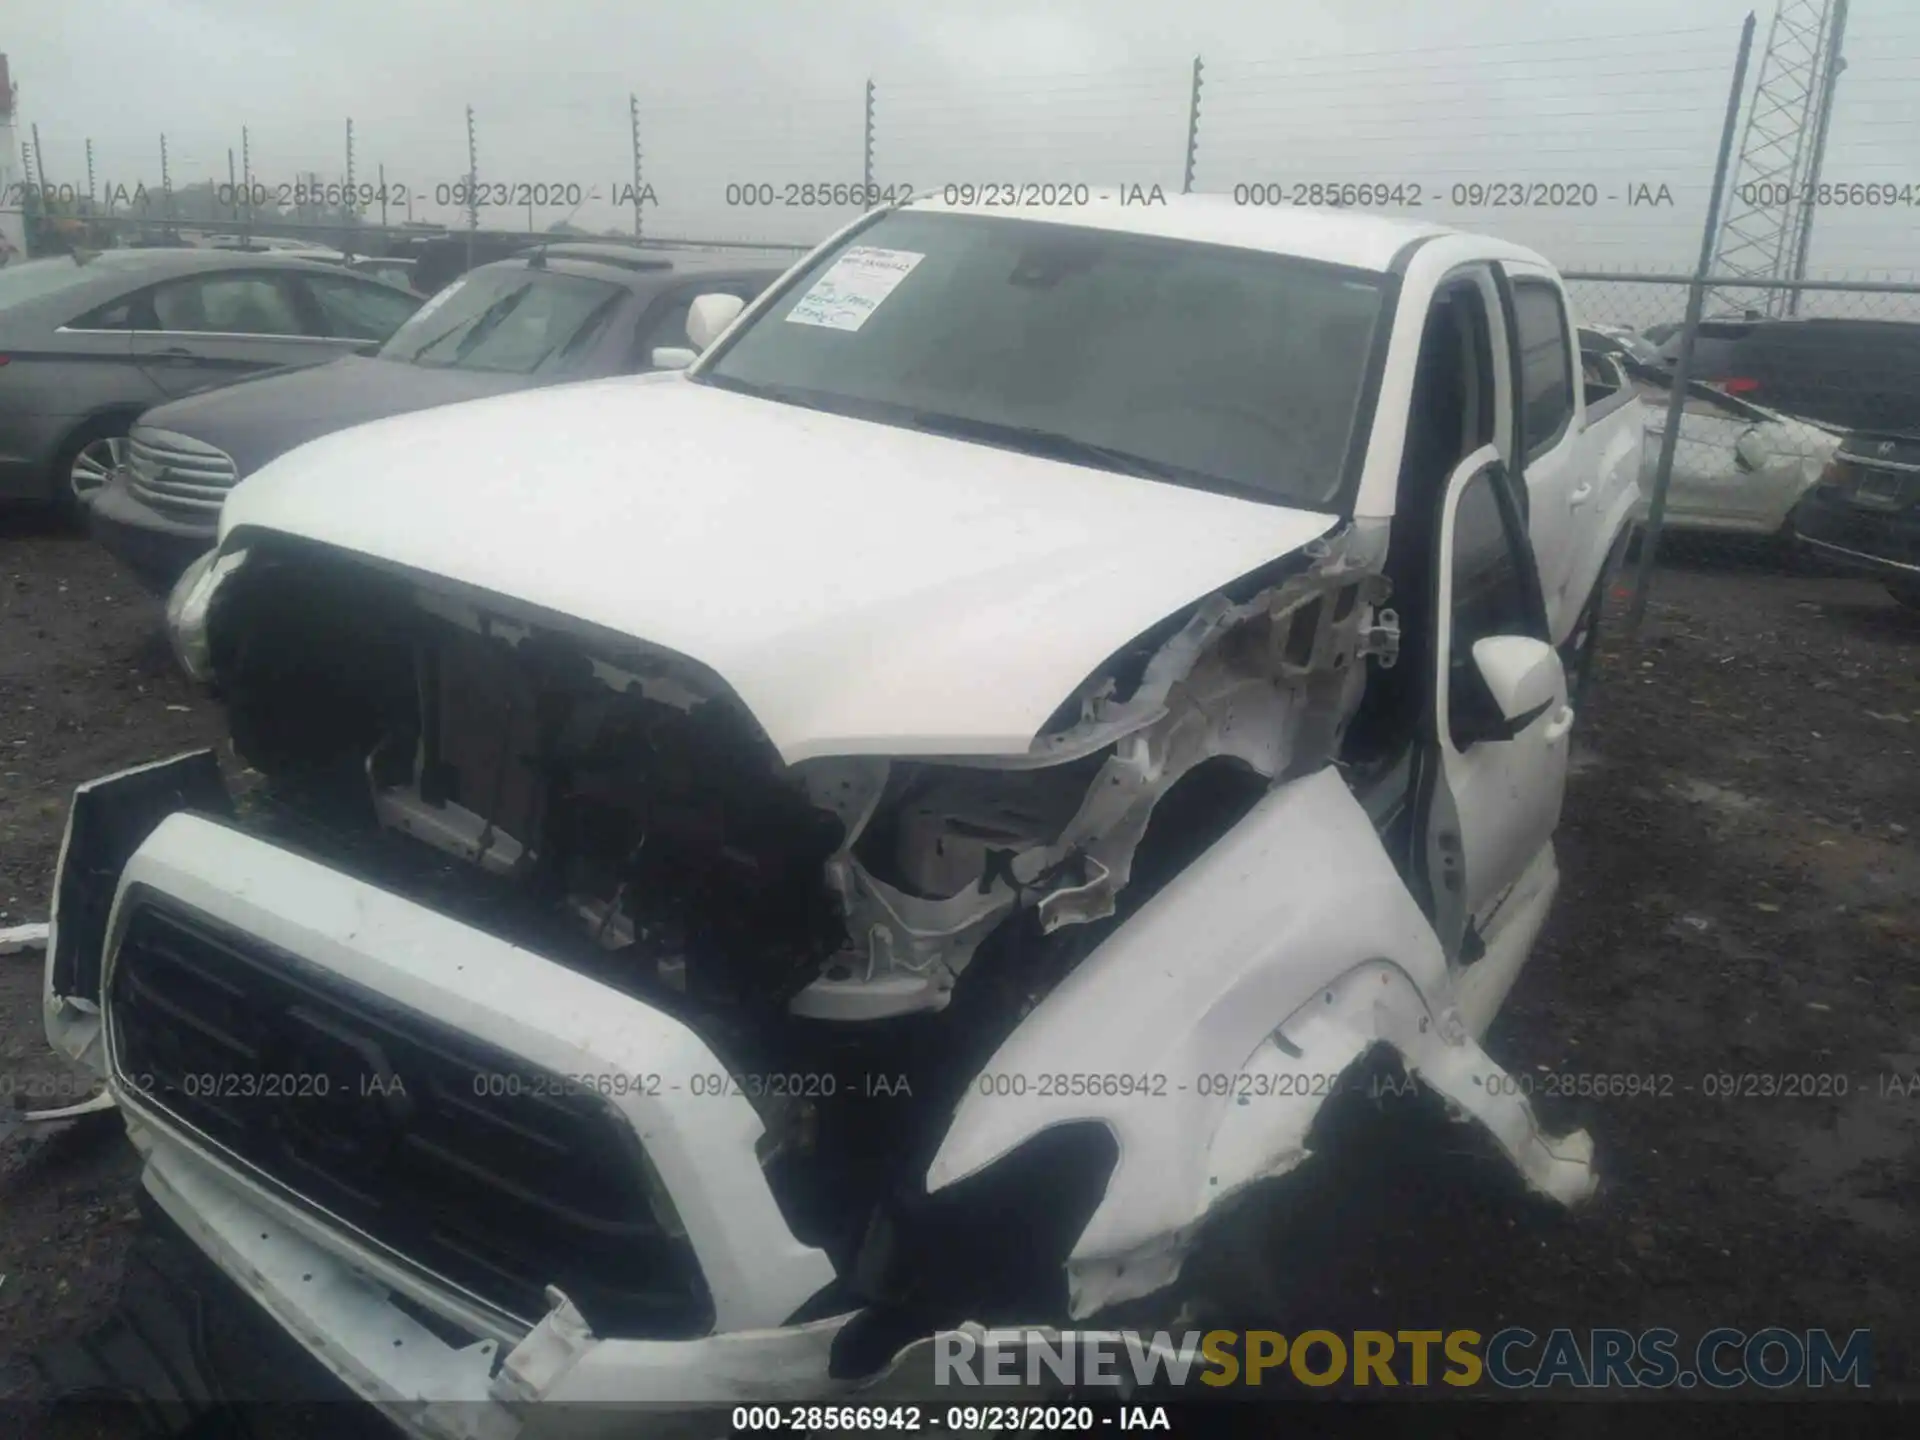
(866, 148)
(1193, 129)
(233, 190)
(473, 186)
(166, 183)
(246, 179)
(633, 115)
(383, 203)
(31, 199)
(39, 160)
(347, 205)
(89, 173)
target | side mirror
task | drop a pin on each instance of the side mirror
(1521, 676)
(673, 357)
(709, 315)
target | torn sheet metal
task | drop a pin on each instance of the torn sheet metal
(1294, 977)
(1269, 682)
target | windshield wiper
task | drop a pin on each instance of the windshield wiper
(1035, 440)
(482, 325)
(1027, 439)
(800, 395)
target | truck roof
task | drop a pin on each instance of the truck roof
(1343, 237)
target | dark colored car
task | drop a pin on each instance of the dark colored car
(87, 342)
(393, 269)
(569, 311)
(440, 260)
(1851, 374)
(1618, 340)
(1865, 512)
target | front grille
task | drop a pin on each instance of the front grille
(177, 474)
(396, 1124)
(1880, 483)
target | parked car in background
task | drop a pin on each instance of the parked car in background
(1846, 373)
(1738, 468)
(442, 259)
(1620, 338)
(573, 311)
(1865, 512)
(277, 245)
(393, 269)
(88, 342)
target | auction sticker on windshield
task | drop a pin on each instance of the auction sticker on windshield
(853, 287)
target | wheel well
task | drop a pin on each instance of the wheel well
(991, 1248)
(115, 420)
(1197, 810)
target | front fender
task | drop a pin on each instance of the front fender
(1289, 948)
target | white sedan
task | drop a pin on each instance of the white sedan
(1738, 469)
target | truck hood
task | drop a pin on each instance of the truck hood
(864, 589)
(264, 416)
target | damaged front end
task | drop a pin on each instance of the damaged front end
(627, 800)
(635, 1037)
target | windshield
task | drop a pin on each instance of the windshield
(513, 320)
(1226, 369)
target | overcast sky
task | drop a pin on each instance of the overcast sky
(1434, 95)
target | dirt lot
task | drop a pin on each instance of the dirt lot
(1740, 900)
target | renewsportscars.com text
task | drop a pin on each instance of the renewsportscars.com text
(1513, 1358)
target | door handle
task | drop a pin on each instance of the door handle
(1560, 724)
(1582, 494)
(175, 352)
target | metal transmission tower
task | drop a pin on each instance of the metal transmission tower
(1770, 209)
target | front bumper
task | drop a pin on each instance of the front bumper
(432, 1356)
(557, 1379)
(356, 1343)
(1878, 542)
(155, 547)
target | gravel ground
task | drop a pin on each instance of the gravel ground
(87, 686)
(1739, 900)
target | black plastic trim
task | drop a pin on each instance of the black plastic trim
(110, 819)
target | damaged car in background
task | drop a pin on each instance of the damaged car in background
(1738, 468)
(700, 919)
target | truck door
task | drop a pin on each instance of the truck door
(1496, 748)
(1551, 457)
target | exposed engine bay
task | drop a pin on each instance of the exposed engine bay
(616, 809)
(629, 794)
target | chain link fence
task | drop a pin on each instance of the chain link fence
(1768, 400)
(1591, 148)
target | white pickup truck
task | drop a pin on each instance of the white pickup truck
(741, 873)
